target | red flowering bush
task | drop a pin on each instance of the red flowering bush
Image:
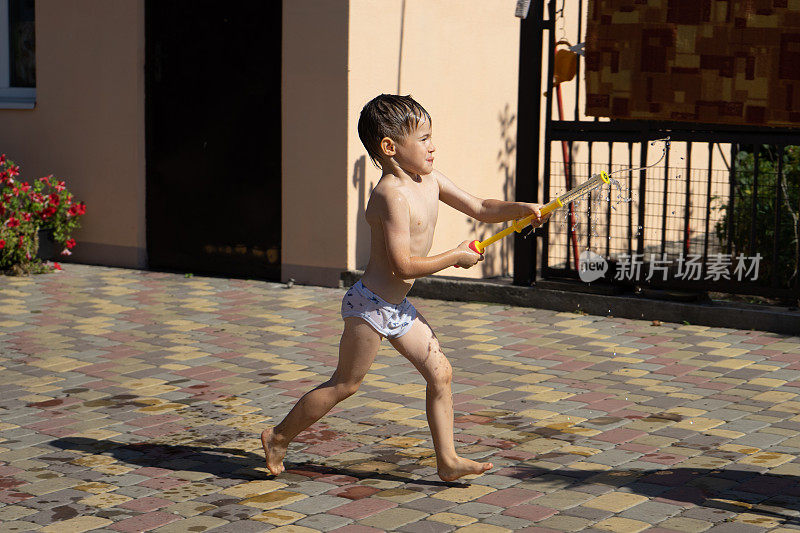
(26, 208)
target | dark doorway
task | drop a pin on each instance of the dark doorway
(213, 136)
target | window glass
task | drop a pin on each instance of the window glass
(22, 43)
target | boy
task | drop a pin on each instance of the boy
(401, 212)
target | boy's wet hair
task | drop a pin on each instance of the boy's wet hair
(388, 115)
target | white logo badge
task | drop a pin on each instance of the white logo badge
(592, 266)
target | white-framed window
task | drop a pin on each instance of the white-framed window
(17, 54)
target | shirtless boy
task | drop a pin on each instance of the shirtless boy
(401, 212)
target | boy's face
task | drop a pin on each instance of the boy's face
(414, 154)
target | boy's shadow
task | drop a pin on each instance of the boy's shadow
(774, 496)
(231, 463)
(729, 489)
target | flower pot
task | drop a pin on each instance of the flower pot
(47, 246)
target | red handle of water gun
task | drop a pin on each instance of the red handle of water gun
(474, 248)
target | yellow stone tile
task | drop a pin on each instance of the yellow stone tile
(733, 363)
(253, 488)
(278, 517)
(621, 525)
(105, 500)
(714, 344)
(584, 451)
(95, 487)
(79, 524)
(698, 424)
(542, 445)
(615, 502)
(747, 450)
(276, 498)
(452, 519)
(767, 459)
(174, 366)
(94, 460)
(480, 338)
(633, 372)
(377, 404)
(15, 512)
(624, 359)
(759, 520)
(113, 470)
(373, 467)
(787, 407)
(765, 368)
(767, 382)
(474, 322)
(774, 396)
(621, 350)
(417, 452)
(402, 442)
(533, 389)
(651, 384)
(400, 414)
(486, 347)
(399, 495)
(686, 411)
(561, 421)
(162, 407)
(406, 388)
(463, 495)
(550, 396)
(482, 528)
(728, 352)
(728, 434)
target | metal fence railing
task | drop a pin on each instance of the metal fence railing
(718, 212)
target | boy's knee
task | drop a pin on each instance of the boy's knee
(345, 390)
(442, 376)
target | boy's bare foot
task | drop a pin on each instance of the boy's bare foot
(462, 467)
(273, 451)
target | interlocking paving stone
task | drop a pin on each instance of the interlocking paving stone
(133, 401)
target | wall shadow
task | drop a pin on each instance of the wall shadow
(363, 236)
(506, 163)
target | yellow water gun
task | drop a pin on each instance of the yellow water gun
(568, 197)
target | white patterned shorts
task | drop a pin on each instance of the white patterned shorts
(388, 319)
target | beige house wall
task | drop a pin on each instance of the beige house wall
(88, 123)
(315, 172)
(459, 59)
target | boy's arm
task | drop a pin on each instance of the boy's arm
(394, 214)
(483, 210)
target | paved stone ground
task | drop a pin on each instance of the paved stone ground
(132, 401)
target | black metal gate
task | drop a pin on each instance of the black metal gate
(732, 229)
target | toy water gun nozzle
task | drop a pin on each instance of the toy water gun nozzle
(566, 198)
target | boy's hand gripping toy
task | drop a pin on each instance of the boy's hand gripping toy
(565, 199)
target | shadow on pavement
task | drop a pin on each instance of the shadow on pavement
(231, 463)
(769, 496)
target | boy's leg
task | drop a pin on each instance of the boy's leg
(421, 347)
(357, 350)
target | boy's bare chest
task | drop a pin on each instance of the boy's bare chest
(423, 204)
